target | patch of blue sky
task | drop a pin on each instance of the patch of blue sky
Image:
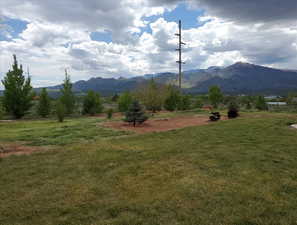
(182, 12)
(13, 27)
(101, 36)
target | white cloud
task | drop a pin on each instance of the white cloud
(58, 36)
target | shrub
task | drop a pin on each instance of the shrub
(135, 114)
(233, 109)
(60, 111)
(109, 113)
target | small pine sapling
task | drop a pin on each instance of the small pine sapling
(135, 114)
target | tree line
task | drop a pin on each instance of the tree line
(19, 95)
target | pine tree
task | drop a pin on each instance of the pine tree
(18, 93)
(67, 97)
(92, 103)
(1, 110)
(135, 114)
(44, 104)
(60, 111)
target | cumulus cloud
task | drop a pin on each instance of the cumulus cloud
(58, 36)
(121, 17)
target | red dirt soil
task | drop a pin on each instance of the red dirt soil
(159, 125)
(8, 149)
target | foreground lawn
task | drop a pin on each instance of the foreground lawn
(238, 172)
(50, 132)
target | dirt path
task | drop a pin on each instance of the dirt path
(159, 125)
(8, 149)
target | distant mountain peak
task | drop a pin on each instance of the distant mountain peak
(240, 63)
(241, 77)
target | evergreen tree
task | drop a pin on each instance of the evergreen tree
(60, 111)
(18, 93)
(1, 110)
(215, 96)
(261, 103)
(173, 98)
(124, 101)
(67, 96)
(44, 104)
(92, 103)
(135, 114)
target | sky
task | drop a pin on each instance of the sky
(125, 38)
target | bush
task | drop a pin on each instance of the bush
(135, 114)
(60, 111)
(233, 109)
(109, 113)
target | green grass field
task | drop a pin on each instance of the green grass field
(49, 132)
(235, 172)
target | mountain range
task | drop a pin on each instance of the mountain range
(239, 78)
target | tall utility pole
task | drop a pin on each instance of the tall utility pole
(180, 62)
